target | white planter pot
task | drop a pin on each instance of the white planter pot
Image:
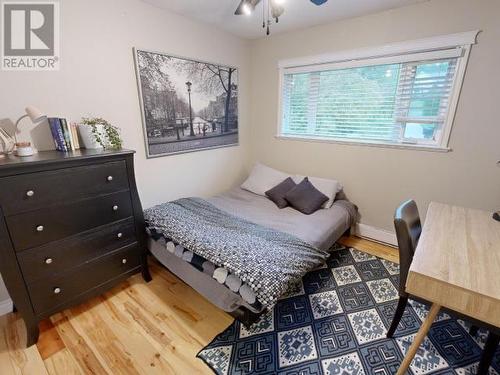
(87, 137)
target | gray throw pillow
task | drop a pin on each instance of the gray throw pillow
(277, 193)
(305, 197)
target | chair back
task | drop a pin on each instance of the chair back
(408, 230)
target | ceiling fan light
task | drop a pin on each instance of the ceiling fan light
(277, 10)
(246, 8)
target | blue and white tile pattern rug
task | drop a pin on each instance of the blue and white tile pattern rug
(335, 322)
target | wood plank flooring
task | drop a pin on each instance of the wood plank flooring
(136, 328)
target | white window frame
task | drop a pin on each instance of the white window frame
(452, 45)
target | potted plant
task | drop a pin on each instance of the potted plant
(99, 133)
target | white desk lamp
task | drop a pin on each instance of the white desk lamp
(24, 148)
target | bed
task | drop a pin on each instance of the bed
(317, 233)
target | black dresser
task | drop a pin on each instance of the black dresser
(71, 227)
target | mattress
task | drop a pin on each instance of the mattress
(320, 229)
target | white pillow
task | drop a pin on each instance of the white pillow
(328, 187)
(262, 179)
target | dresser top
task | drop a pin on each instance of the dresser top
(53, 156)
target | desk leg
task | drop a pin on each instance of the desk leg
(422, 332)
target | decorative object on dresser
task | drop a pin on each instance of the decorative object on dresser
(71, 227)
(7, 143)
(36, 116)
(24, 149)
(96, 132)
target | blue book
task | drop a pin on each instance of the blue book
(57, 133)
(66, 133)
(53, 131)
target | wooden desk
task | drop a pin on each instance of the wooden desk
(456, 265)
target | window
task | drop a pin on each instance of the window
(402, 99)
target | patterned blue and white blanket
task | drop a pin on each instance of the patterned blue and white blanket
(267, 260)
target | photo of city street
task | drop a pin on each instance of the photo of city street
(187, 105)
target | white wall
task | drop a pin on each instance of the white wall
(378, 179)
(97, 77)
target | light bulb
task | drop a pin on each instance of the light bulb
(246, 9)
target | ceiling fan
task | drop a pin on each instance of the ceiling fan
(271, 9)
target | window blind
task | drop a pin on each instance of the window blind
(397, 101)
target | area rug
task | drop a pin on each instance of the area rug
(335, 322)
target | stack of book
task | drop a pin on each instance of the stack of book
(65, 135)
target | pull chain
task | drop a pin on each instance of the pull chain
(264, 14)
(268, 14)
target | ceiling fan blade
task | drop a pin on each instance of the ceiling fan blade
(239, 10)
(318, 2)
(243, 3)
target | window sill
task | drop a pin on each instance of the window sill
(403, 146)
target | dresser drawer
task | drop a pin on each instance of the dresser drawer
(39, 227)
(33, 191)
(47, 294)
(57, 257)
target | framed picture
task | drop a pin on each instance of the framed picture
(187, 105)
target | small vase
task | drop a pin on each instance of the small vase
(88, 138)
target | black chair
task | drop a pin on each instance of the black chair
(408, 230)
(489, 350)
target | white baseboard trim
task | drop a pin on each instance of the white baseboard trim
(6, 306)
(377, 234)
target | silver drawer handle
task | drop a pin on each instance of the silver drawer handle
(57, 290)
(124, 260)
(109, 178)
(119, 235)
(48, 261)
(115, 208)
(39, 228)
(30, 193)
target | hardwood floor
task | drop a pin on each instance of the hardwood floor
(373, 248)
(136, 328)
